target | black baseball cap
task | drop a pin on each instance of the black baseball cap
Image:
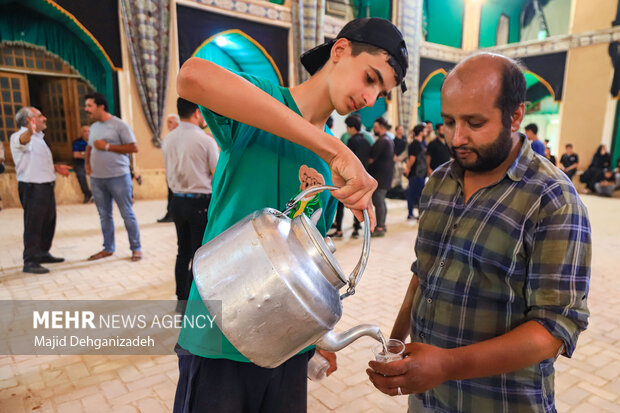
(374, 31)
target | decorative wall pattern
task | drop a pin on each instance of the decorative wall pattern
(261, 9)
(409, 20)
(308, 21)
(147, 24)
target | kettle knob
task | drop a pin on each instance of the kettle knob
(330, 244)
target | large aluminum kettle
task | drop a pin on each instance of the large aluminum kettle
(278, 282)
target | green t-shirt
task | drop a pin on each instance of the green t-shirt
(255, 170)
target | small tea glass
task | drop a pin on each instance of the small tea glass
(396, 350)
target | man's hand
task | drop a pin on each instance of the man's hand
(331, 357)
(100, 144)
(62, 169)
(356, 185)
(423, 368)
(31, 125)
(88, 169)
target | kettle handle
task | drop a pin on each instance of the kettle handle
(356, 275)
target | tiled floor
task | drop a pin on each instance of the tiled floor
(589, 382)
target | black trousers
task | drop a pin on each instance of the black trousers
(226, 386)
(190, 219)
(80, 173)
(39, 206)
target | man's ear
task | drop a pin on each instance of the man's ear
(517, 118)
(339, 49)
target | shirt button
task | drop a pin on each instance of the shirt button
(441, 264)
(421, 335)
(429, 300)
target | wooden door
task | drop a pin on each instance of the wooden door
(13, 96)
(54, 96)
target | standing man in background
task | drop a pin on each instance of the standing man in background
(79, 154)
(531, 131)
(438, 151)
(190, 157)
(415, 171)
(36, 177)
(172, 122)
(381, 167)
(107, 162)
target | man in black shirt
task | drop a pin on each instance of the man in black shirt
(415, 170)
(400, 155)
(437, 152)
(360, 146)
(569, 162)
(381, 167)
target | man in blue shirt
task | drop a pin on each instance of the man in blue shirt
(79, 153)
(531, 131)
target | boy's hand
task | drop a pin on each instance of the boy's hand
(356, 185)
(331, 357)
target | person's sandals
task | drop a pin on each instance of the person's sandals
(99, 255)
(136, 255)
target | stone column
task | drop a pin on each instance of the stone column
(585, 119)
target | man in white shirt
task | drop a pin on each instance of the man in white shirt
(35, 183)
(190, 157)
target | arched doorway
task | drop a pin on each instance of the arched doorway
(237, 51)
(31, 76)
(542, 108)
(429, 104)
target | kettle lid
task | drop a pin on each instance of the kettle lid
(322, 247)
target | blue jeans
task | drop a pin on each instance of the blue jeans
(119, 189)
(414, 192)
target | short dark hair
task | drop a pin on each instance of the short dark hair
(418, 129)
(532, 127)
(353, 121)
(99, 99)
(568, 145)
(329, 122)
(185, 108)
(512, 93)
(383, 122)
(438, 125)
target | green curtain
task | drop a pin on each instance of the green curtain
(615, 139)
(372, 8)
(36, 22)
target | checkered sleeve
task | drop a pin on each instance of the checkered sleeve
(559, 272)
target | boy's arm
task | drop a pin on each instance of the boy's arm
(200, 81)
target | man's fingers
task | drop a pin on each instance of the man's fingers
(387, 385)
(371, 216)
(394, 368)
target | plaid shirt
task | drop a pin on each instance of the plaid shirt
(518, 250)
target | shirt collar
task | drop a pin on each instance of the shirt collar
(35, 135)
(517, 169)
(189, 125)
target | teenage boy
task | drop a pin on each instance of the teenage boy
(258, 169)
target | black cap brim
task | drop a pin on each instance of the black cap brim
(315, 58)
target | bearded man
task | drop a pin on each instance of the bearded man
(499, 287)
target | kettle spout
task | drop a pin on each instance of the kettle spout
(332, 341)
